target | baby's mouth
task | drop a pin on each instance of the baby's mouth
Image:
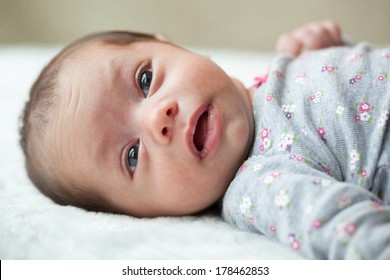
(201, 129)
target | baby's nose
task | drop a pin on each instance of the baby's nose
(163, 121)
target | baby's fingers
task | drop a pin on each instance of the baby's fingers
(319, 35)
(289, 44)
(310, 37)
(334, 32)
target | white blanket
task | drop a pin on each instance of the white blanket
(33, 227)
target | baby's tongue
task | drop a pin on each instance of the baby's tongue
(201, 132)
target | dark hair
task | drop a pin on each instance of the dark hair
(36, 116)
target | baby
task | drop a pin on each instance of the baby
(130, 123)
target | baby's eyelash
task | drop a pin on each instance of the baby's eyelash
(126, 167)
(141, 69)
(145, 82)
(132, 157)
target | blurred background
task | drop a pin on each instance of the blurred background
(231, 24)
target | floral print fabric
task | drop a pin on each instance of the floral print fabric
(318, 176)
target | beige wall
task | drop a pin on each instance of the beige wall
(245, 24)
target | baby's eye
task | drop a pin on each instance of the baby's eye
(133, 157)
(145, 81)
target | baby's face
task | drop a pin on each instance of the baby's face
(152, 128)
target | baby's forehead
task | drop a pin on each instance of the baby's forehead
(87, 57)
(97, 54)
(100, 62)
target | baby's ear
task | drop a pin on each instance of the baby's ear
(161, 37)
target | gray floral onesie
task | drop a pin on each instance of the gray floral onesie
(318, 175)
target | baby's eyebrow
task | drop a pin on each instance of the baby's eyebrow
(122, 72)
(113, 69)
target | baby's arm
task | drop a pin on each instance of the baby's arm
(291, 199)
(311, 36)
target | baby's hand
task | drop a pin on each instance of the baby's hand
(311, 36)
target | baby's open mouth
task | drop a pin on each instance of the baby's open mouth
(201, 131)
